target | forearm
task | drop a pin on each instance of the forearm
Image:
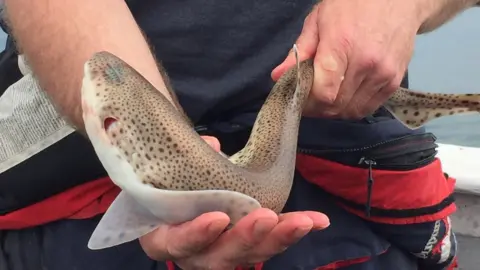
(437, 12)
(58, 36)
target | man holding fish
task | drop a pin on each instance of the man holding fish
(219, 56)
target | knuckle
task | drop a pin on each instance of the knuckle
(393, 84)
(387, 70)
(186, 248)
(391, 87)
(324, 97)
(339, 49)
(369, 60)
(307, 19)
(182, 249)
(345, 42)
(244, 244)
(152, 249)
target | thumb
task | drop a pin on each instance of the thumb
(213, 142)
(330, 64)
(306, 43)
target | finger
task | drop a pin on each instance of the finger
(320, 220)
(348, 88)
(360, 103)
(306, 44)
(317, 105)
(373, 92)
(173, 242)
(371, 106)
(381, 96)
(331, 65)
(213, 142)
(237, 243)
(291, 228)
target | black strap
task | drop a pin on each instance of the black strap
(368, 205)
(399, 213)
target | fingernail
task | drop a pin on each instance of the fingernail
(322, 227)
(213, 142)
(277, 68)
(300, 232)
(329, 63)
(215, 227)
(261, 227)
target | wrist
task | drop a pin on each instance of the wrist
(424, 10)
(431, 14)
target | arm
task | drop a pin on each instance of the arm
(438, 12)
(58, 36)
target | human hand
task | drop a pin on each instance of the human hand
(361, 50)
(203, 244)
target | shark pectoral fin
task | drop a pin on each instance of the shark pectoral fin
(124, 221)
(176, 206)
(415, 117)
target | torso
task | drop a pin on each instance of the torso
(219, 54)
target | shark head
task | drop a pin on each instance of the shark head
(123, 112)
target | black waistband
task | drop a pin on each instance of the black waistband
(64, 165)
(405, 153)
(399, 213)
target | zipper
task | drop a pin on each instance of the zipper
(370, 164)
(394, 166)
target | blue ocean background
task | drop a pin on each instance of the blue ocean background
(446, 60)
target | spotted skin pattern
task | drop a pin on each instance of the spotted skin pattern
(415, 109)
(132, 124)
(168, 174)
(165, 152)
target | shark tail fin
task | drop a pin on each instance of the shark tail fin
(414, 109)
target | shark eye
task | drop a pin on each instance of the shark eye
(109, 123)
